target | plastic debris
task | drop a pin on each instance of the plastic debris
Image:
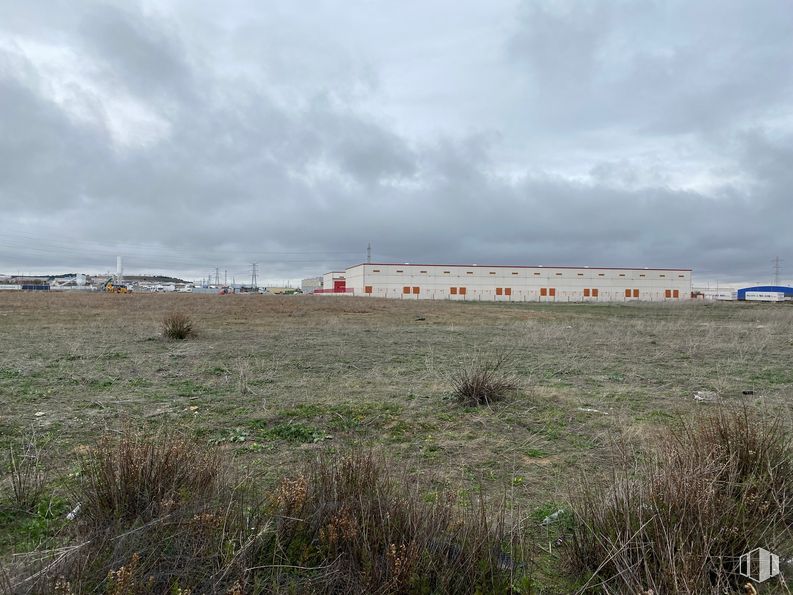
(591, 410)
(73, 514)
(705, 395)
(552, 518)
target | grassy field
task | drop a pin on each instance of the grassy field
(275, 380)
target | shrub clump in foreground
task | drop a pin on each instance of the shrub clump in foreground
(177, 326)
(365, 531)
(138, 478)
(158, 515)
(27, 478)
(483, 381)
(678, 521)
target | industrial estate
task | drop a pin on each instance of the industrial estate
(508, 283)
(520, 283)
(418, 392)
(453, 282)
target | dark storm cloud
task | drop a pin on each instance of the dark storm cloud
(600, 133)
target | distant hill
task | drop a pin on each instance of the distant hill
(43, 278)
(154, 279)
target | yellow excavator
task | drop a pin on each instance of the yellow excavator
(117, 288)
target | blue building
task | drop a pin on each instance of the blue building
(788, 291)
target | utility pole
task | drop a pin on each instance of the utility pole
(777, 268)
(217, 275)
(369, 252)
(225, 277)
(119, 270)
(253, 275)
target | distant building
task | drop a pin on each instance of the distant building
(334, 282)
(510, 283)
(311, 284)
(752, 293)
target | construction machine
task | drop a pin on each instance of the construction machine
(110, 287)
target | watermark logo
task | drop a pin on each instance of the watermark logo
(759, 565)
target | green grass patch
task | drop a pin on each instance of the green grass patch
(189, 388)
(22, 530)
(292, 431)
(100, 383)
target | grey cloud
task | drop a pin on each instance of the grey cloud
(284, 149)
(663, 67)
(40, 149)
(143, 54)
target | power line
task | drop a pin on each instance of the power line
(30, 241)
(777, 269)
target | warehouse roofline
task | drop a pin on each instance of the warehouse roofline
(514, 266)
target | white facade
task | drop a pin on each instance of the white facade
(765, 296)
(517, 283)
(311, 284)
(333, 282)
(718, 291)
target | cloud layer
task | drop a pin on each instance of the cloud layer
(602, 133)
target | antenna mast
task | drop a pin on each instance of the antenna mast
(777, 268)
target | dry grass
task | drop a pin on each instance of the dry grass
(368, 530)
(156, 516)
(25, 471)
(677, 521)
(177, 326)
(276, 380)
(483, 381)
(139, 477)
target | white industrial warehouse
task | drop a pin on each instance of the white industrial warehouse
(508, 283)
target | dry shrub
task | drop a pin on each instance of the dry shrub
(139, 476)
(677, 521)
(483, 381)
(157, 516)
(364, 530)
(26, 472)
(177, 326)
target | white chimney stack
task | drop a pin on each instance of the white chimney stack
(119, 269)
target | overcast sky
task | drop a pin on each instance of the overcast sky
(187, 135)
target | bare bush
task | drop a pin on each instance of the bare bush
(677, 521)
(27, 475)
(157, 516)
(483, 381)
(177, 326)
(138, 477)
(365, 531)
